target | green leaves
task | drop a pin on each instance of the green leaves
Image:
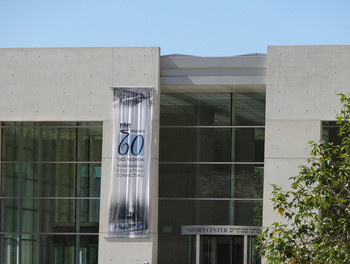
(314, 214)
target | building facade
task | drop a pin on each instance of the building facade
(223, 130)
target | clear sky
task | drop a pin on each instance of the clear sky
(203, 28)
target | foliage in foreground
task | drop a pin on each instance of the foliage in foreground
(315, 213)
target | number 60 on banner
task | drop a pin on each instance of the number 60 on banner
(131, 144)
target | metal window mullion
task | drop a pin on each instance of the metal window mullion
(2, 240)
(245, 249)
(77, 205)
(51, 162)
(213, 127)
(56, 178)
(33, 126)
(1, 204)
(211, 199)
(91, 151)
(198, 154)
(2, 207)
(231, 204)
(76, 248)
(198, 248)
(19, 202)
(213, 162)
(48, 198)
(39, 189)
(77, 187)
(1, 165)
(49, 233)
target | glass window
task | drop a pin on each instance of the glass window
(212, 109)
(211, 144)
(49, 215)
(25, 142)
(211, 154)
(176, 213)
(330, 131)
(211, 180)
(35, 249)
(50, 179)
(50, 187)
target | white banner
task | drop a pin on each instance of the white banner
(129, 207)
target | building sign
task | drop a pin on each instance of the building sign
(221, 230)
(129, 206)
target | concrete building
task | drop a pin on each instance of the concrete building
(223, 130)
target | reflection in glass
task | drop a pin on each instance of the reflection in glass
(50, 184)
(211, 180)
(176, 248)
(212, 109)
(211, 169)
(222, 249)
(49, 215)
(48, 249)
(253, 253)
(50, 180)
(211, 144)
(41, 143)
(330, 131)
(176, 213)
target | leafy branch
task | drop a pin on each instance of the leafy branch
(314, 224)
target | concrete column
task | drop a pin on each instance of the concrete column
(132, 67)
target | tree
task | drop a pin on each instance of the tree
(314, 224)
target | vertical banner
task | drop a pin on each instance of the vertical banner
(129, 207)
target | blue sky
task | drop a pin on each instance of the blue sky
(203, 28)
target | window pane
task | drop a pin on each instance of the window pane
(89, 214)
(27, 215)
(48, 249)
(195, 109)
(89, 180)
(50, 180)
(89, 144)
(175, 249)
(88, 249)
(211, 144)
(175, 213)
(248, 181)
(45, 179)
(36, 143)
(248, 109)
(210, 181)
(64, 144)
(210, 109)
(253, 252)
(192, 181)
(49, 215)
(330, 131)
(8, 145)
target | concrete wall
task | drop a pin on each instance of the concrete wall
(133, 67)
(301, 91)
(74, 84)
(56, 84)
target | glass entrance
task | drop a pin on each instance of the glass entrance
(222, 249)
